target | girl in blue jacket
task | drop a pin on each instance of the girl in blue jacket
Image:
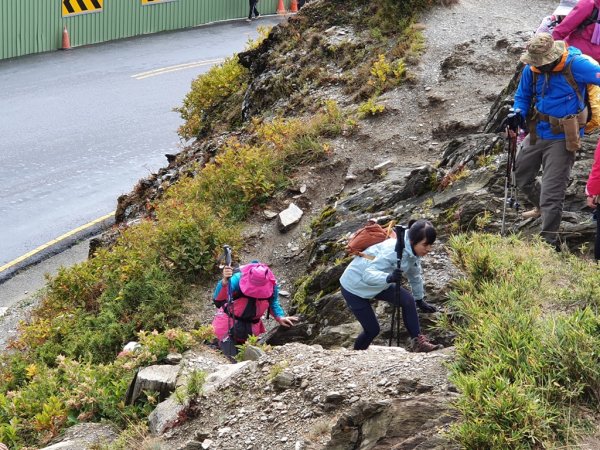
(365, 279)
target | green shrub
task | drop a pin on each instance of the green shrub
(208, 99)
(75, 391)
(370, 108)
(522, 370)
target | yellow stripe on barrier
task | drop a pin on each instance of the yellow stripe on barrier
(47, 245)
(163, 70)
(73, 7)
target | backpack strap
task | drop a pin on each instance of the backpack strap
(592, 18)
(568, 74)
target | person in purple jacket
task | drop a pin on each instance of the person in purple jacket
(555, 123)
(581, 28)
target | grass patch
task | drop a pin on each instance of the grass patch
(524, 371)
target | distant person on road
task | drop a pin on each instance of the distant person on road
(365, 279)
(253, 10)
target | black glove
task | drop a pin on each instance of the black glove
(514, 120)
(394, 277)
(425, 307)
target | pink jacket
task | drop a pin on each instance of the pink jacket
(568, 31)
(593, 183)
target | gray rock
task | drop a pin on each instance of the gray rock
(165, 416)
(269, 214)
(159, 378)
(85, 436)
(173, 358)
(192, 445)
(252, 353)
(334, 397)
(222, 374)
(283, 380)
(289, 217)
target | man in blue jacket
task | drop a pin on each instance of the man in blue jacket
(551, 96)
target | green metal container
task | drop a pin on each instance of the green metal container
(33, 26)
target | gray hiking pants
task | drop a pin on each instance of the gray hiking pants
(549, 195)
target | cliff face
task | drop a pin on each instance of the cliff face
(423, 147)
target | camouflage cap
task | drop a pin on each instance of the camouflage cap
(542, 50)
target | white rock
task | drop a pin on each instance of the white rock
(383, 165)
(269, 214)
(132, 346)
(289, 217)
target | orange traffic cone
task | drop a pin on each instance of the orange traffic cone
(294, 6)
(281, 8)
(66, 43)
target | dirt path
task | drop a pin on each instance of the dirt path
(472, 49)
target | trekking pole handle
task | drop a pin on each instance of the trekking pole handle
(227, 250)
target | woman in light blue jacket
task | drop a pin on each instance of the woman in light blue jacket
(378, 278)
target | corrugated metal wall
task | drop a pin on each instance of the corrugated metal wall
(33, 26)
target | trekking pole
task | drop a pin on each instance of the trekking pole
(396, 312)
(511, 139)
(229, 349)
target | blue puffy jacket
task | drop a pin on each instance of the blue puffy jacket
(554, 94)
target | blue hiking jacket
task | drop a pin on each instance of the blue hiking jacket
(554, 94)
(366, 278)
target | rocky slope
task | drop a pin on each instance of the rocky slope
(439, 159)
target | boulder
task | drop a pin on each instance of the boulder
(165, 416)
(85, 436)
(160, 378)
(222, 375)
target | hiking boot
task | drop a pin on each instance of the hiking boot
(532, 213)
(425, 307)
(421, 344)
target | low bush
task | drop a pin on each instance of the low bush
(523, 371)
(47, 399)
(212, 96)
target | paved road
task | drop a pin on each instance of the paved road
(79, 128)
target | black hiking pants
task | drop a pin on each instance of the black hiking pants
(363, 311)
(253, 9)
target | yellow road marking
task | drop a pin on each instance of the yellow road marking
(54, 241)
(163, 70)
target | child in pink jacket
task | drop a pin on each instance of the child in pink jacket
(592, 190)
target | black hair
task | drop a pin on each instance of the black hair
(421, 229)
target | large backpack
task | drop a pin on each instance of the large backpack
(245, 310)
(370, 234)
